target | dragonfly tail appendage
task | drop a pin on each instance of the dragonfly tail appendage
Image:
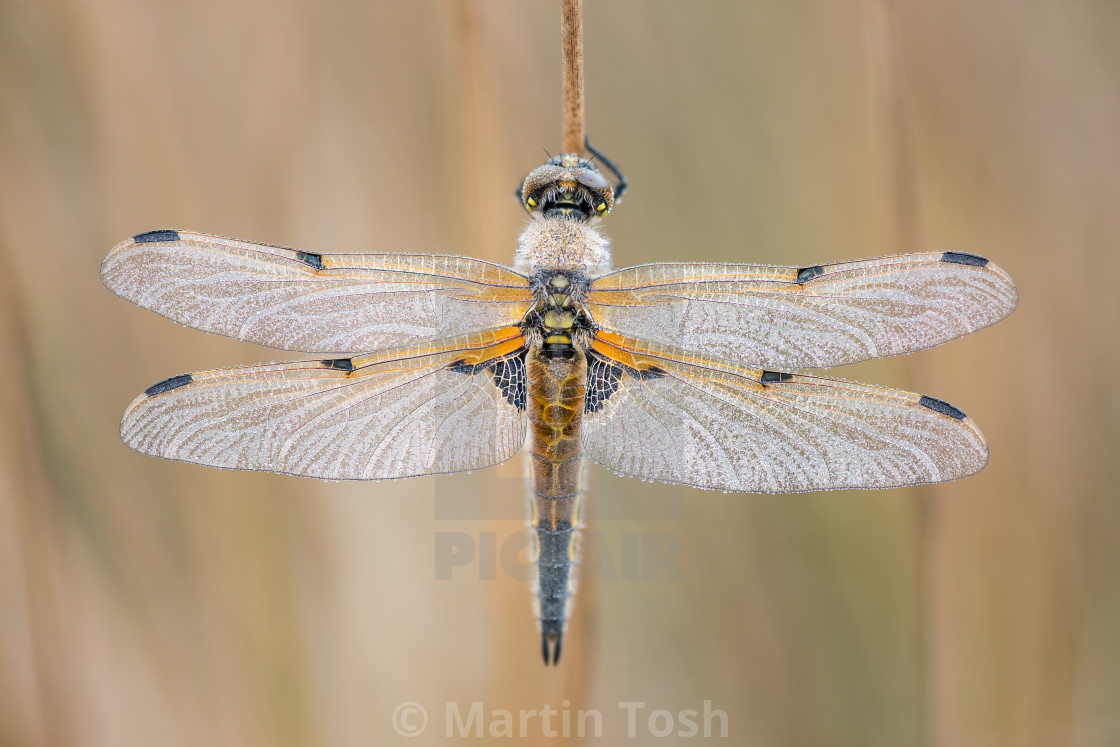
(551, 641)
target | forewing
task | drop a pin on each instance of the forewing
(661, 414)
(324, 303)
(790, 317)
(427, 409)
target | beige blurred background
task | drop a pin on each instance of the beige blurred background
(145, 602)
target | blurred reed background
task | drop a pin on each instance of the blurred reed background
(146, 602)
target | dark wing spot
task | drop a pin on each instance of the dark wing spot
(808, 273)
(942, 407)
(508, 374)
(339, 364)
(168, 384)
(461, 367)
(775, 377)
(963, 258)
(604, 377)
(311, 259)
(149, 237)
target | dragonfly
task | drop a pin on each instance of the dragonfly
(689, 373)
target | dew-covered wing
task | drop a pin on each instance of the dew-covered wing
(799, 317)
(446, 406)
(323, 303)
(662, 414)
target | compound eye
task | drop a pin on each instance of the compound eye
(591, 180)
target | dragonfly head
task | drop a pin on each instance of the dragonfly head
(567, 187)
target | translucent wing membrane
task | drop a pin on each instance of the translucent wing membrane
(790, 317)
(324, 303)
(443, 407)
(664, 414)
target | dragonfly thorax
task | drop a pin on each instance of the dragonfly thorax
(558, 321)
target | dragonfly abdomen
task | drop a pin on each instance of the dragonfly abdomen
(557, 382)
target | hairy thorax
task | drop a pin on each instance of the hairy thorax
(562, 244)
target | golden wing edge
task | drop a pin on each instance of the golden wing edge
(789, 275)
(336, 260)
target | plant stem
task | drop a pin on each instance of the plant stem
(571, 57)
